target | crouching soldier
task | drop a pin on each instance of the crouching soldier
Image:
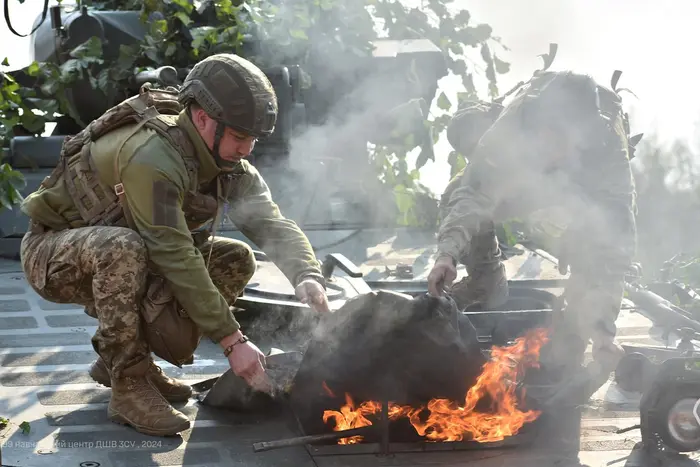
(562, 144)
(121, 227)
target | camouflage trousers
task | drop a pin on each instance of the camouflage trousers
(106, 270)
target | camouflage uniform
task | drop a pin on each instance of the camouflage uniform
(509, 177)
(107, 267)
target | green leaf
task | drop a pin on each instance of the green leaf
(184, 18)
(158, 28)
(103, 79)
(91, 48)
(457, 163)
(170, 50)
(26, 428)
(185, 5)
(17, 181)
(49, 106)
(5, 62)
(463, 17)
(32, 122)
(152, 54)
(298, 34)
(501, 66)
(404, 200)
(50, 88)
(443, 102)
(70, 68)
(34, 69)
(5, 200)
(468, 82)
(200, 35)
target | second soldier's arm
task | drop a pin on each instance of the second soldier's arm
(479, 194)
(155, 181)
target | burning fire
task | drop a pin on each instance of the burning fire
(447, 421)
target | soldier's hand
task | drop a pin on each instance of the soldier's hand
(312, 293)
(441, 276)
(247, 361)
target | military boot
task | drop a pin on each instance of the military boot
(136, 402)
(172, 389)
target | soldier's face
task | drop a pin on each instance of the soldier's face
(233, 146)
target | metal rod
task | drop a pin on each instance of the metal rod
(384, 428)
(301, 440)
(630, 428)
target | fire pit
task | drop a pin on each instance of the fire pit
(409, 374)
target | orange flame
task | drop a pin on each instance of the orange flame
(448, 421)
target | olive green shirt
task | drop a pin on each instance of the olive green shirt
(155, 182)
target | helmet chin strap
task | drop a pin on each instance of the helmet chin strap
(217, 140)
(222, 163)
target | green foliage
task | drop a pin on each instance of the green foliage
(293, 31)
(24, 426)
(11, 182)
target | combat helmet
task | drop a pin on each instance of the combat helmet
(234, 92)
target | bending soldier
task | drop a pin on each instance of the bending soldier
(112, 229)
(561, 143)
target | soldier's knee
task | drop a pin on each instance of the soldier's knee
(247, 264)
(120, 245)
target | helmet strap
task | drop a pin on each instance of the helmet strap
(221, 163)
(217, 140)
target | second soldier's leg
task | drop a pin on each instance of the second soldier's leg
(589, 316)
(486, 281)
(60, 266)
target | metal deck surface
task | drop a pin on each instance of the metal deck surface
(45, 353)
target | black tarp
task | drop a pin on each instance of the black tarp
(386, 345)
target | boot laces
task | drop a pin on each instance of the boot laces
(160, 375)
(147, 393)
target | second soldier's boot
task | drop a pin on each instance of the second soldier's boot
(136, 402)
(172, 389)
(486, 282)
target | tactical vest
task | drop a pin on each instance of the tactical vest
(99, 204)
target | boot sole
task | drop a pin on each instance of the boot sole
(119, 419)
(98, 380)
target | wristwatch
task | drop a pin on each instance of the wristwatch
(241, 340)
(312, 275)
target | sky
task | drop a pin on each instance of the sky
(645, 39)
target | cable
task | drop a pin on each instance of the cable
(9, 23)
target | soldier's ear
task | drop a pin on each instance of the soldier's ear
(199, 118)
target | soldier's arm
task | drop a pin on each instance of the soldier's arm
(447, 194)
(259, 218)
(155, 182)
(475, 197)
